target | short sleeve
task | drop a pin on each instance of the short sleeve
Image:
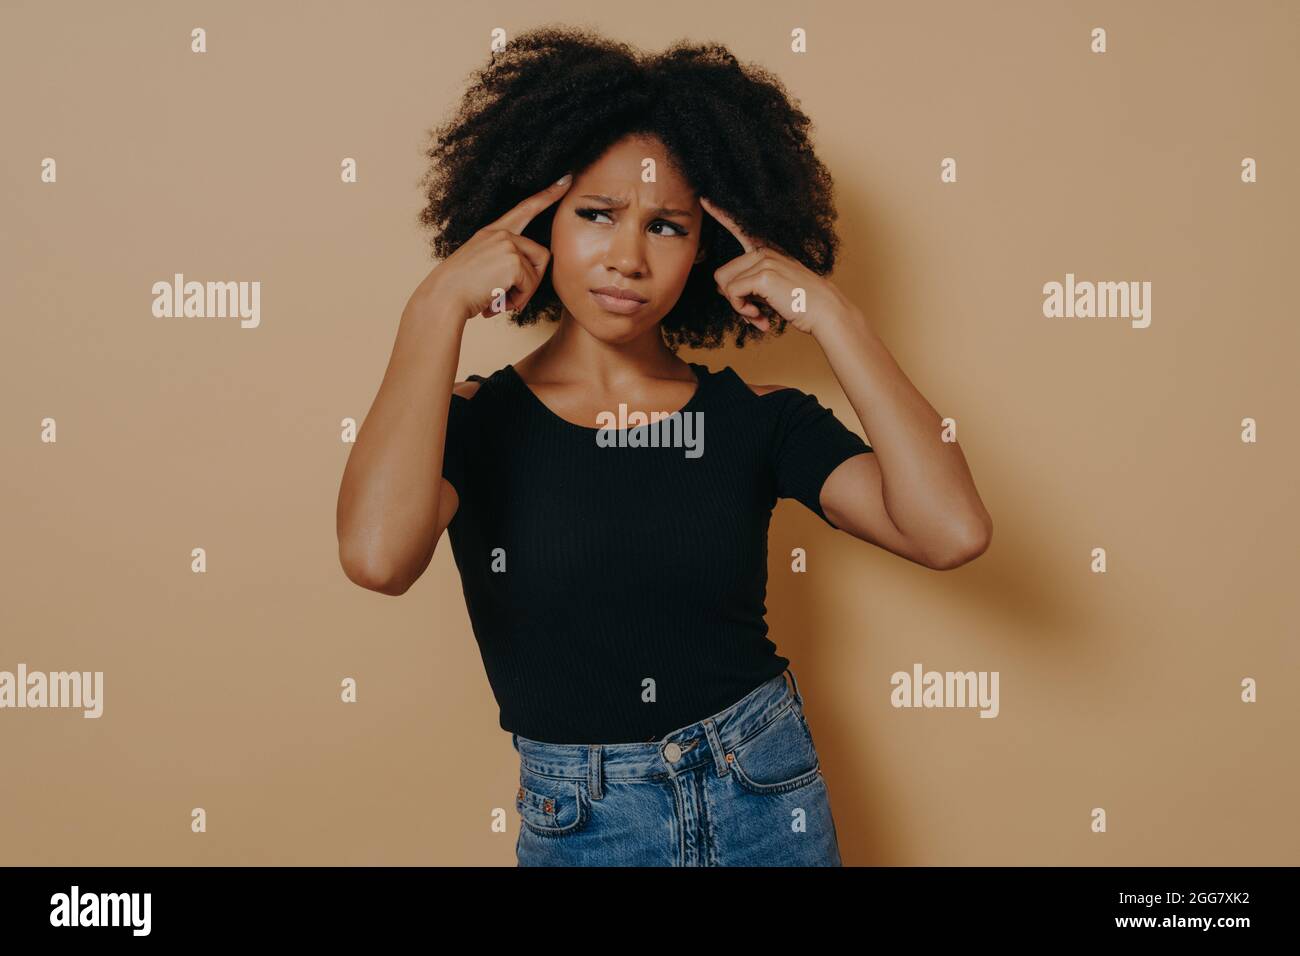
(461, 433)
(808, 443)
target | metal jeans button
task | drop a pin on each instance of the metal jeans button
(673, 753)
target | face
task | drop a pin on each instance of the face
(613, 229)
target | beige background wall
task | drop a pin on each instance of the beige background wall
(1118, 690)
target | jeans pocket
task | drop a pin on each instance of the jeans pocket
(551, 806)
(779, 758)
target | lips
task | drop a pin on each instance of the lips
(618, 299)
(615, 292)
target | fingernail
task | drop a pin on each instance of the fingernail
(564, 179)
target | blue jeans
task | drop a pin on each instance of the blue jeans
(743, 787)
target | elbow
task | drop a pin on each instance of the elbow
(969, 543)
(371, 573)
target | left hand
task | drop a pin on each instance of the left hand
(764, 272)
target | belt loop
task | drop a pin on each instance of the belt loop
(715, 745)
(594, 771)
(797, 695)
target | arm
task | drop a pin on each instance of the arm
(393, 502)
(914, 496)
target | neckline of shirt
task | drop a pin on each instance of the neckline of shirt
(702, 378)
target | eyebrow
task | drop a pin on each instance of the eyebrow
(658, 210)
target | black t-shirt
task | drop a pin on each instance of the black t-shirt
(590, 569)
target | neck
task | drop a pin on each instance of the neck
(574, 354)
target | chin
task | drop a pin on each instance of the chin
(610, 326)
(615, 329)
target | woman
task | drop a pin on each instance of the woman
(615, 566)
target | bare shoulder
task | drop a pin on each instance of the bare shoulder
(465, 389)
(764, 389)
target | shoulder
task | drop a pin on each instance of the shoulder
(466, 389)
(732, 380)
(475, 383)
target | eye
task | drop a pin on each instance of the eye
(665, 222)
(591, 211)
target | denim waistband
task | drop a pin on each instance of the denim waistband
(705, 741)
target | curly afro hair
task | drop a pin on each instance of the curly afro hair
(556, 97)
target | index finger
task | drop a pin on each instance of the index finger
(747, 244)
(517, 219)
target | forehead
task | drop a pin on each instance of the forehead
(619, 170)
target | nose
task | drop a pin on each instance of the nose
(626, 248)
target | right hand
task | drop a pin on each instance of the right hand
(497, 256)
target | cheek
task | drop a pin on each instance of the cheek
(681, 264)
(565, 256)
(560, 237)
(571, 250)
